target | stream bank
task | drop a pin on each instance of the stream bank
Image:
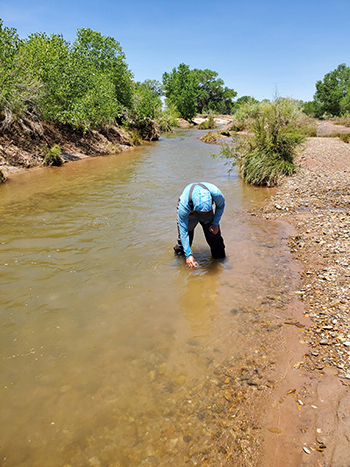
(25, 144)
(315, 202)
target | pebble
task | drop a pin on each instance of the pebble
(316, 203)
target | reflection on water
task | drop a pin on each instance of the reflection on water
(106, 338)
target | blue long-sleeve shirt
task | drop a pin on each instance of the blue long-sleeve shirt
(201, 202)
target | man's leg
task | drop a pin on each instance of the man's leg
(216, 242)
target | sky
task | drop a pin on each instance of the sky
(260, 48)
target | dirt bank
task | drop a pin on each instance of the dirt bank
(309, 409)
(25, 144)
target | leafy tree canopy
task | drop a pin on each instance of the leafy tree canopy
(181, 89)
(84, 84)
(243, 100)
(9, 44)
(154, 86)
(193, 91)
(106, 54)
(75, 90)
(20, 91)
(333, 93)
(147, 101)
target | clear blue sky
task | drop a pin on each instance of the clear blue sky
(257, 47)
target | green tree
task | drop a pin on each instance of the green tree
(147, 101)
(181, 89)
(20, 92)
(76, 92)
(9, 44)
(193, 91)
(245, 99)
(106, 55)
(212, 95)
(312, 108)
(154, 86)
(84, 84)
(242, 101)
(332, 94)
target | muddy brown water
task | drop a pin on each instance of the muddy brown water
(107, 340)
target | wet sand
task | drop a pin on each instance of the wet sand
(308, 410)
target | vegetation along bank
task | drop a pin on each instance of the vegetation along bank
(61, 100)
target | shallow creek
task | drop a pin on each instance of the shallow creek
(112, 352)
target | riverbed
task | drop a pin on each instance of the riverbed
(113, 352)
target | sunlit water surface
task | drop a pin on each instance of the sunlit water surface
(102, 329)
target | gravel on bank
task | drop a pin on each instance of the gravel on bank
(316, 202)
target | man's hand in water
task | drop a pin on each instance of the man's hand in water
(214, 229)
(191, 262)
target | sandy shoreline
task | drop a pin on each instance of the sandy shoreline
(315, 202)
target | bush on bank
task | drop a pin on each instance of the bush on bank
(268, 151)
(3, 177)
(53, 156)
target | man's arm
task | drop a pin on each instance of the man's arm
(219, 201)
(183, 214)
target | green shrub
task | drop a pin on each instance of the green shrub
(166, 122)
(147, 101)
(3, 177)
(208, 124)
(78, 86)
(245, 115)
(168, 118)
(203, 125)
(20, 92)
(134, 138)
(53, 156)
(266, 155)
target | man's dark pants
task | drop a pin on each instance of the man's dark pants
(215, 242)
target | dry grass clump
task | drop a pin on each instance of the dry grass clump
(345, 120)
(344, 137)
(307, 124)
(210, 137)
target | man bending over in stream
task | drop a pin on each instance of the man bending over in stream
(203, 203)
